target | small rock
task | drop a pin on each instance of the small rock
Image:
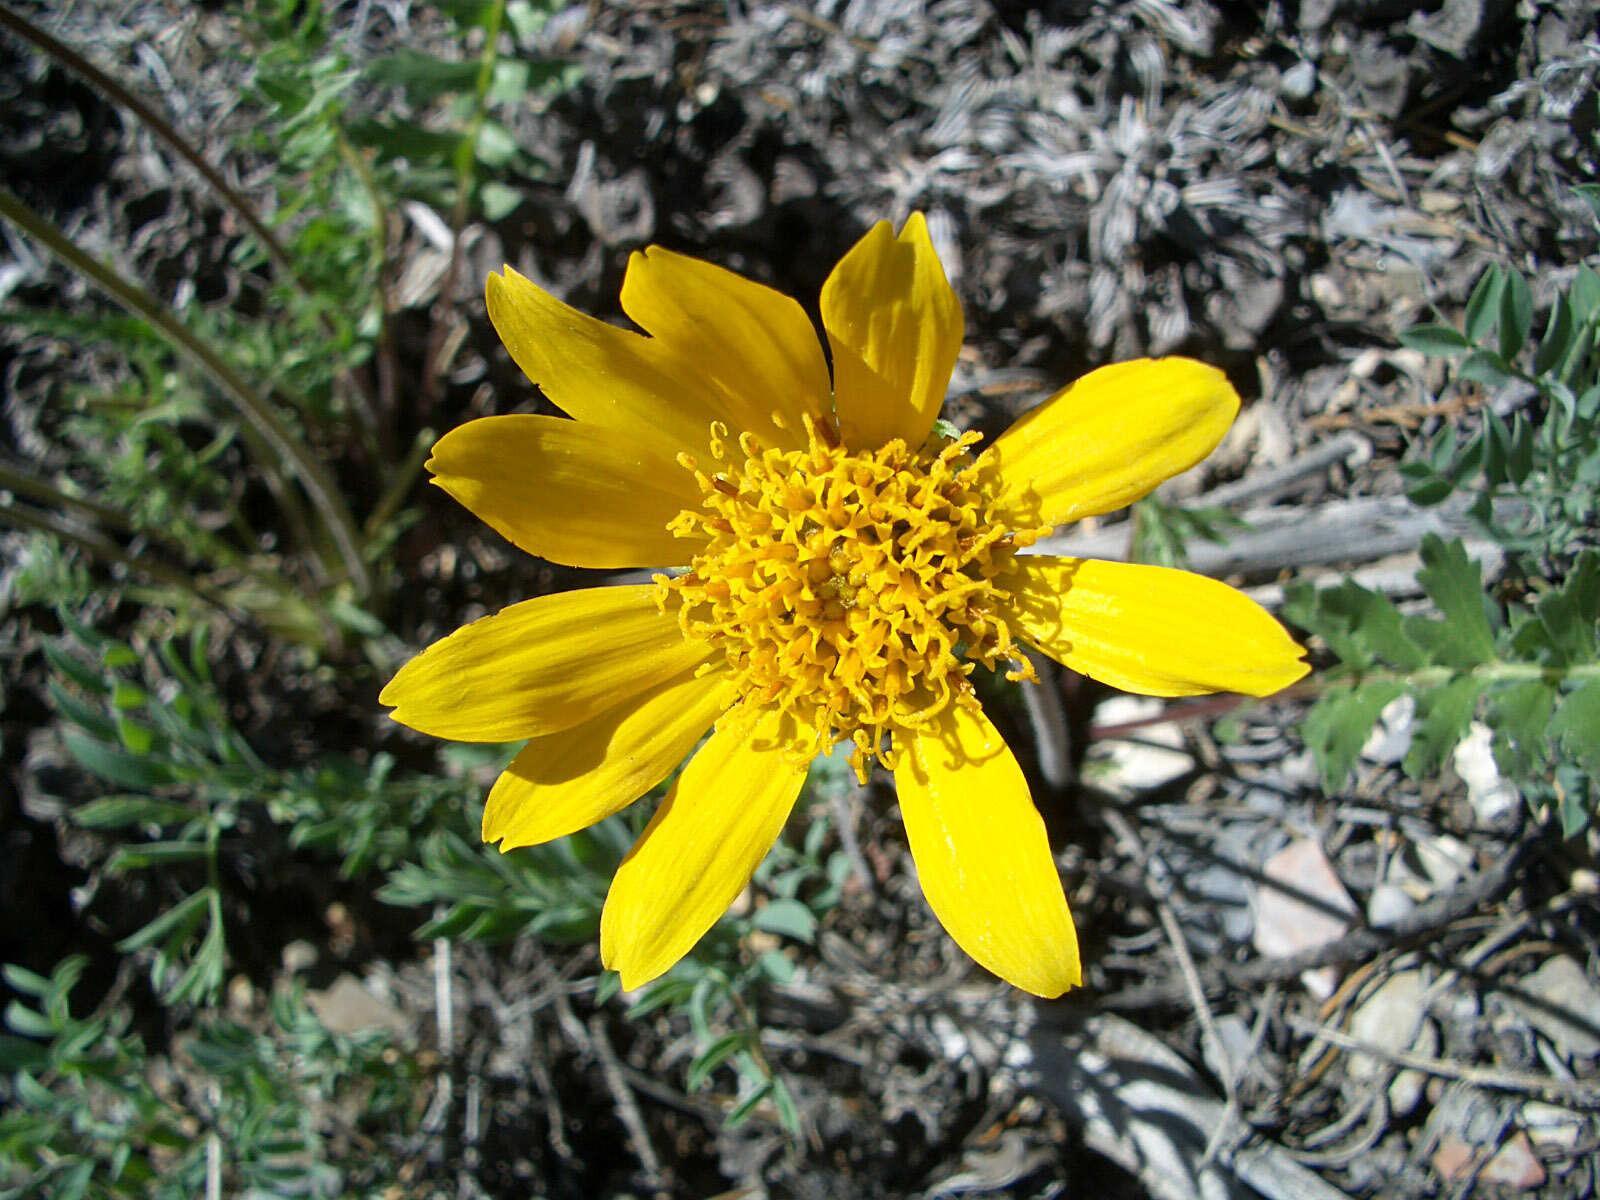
(1390, 738)
(348, 1008)
(1492, 798)
(1393, 1018)
(1286, 924)
(299, 956)
(1568, 1011)
(1387, 904)
(1299, 81)
(1550, 1125)
(1514, 1165)
(1157, 757)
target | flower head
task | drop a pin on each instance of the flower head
(842, 571)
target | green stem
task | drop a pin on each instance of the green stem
(38, 489)
(318, 484)
(400, 486)
(1492, 672)
(106, 549)
(157, 124)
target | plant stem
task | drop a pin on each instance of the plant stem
(157, 124)
(104, 548)
(163, 129)
(319, 486)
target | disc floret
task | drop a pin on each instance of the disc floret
(853, 590)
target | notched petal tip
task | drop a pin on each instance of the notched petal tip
(894, 324)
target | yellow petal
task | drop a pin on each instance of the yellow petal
(753, 348)
(576, 494)
(597, 372)
(563, 782)
(1110, 438)
(541, 666)
(701, 847)
(1150, 630)
(894, 325)
(981, 852)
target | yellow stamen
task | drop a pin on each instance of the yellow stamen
(839, 585)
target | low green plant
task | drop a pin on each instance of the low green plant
(189, 786)
(1522, 655)
(556, 891)
(91, 1114)
(1532, 476)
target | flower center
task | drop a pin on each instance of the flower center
(842, 585)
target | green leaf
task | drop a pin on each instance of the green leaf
(117, 655)
(1591, 193)
(116, 766)
(1338, 726)
(155, 854)
(709, 1059)
(1570, 613)
(740, 1112)
(27, 1022)
(126, 696)
(1483, 307)
(1576, 726)
(788, 1110)
(177, 922)
(1516, 314)
(1446, 713)
(1585, 296)
(1520, 450)
(1454, 583)
(1425, 487)
(423, 76)
(496, 146)
(29, 983)
(609, 985)
(467, 14)
(1436, 341)
(90, 720)
(204, 974)
(497, 200)
(1486, 368)
(790, 918)
(1557, 339)
(75, 669)
(22, 1054)
(111, 812)
(1519, 714)
(410, 142)
(139, 739)
(776, 967)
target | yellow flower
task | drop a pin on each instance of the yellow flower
(844, 569)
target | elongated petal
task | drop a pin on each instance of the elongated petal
(895, 327)
(753, 348)
(982, 855)
(1151, 630)
(573, 493)
(541, 666)
(563, 782)
(597, 372)
(1110, 438)
(701, 847)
